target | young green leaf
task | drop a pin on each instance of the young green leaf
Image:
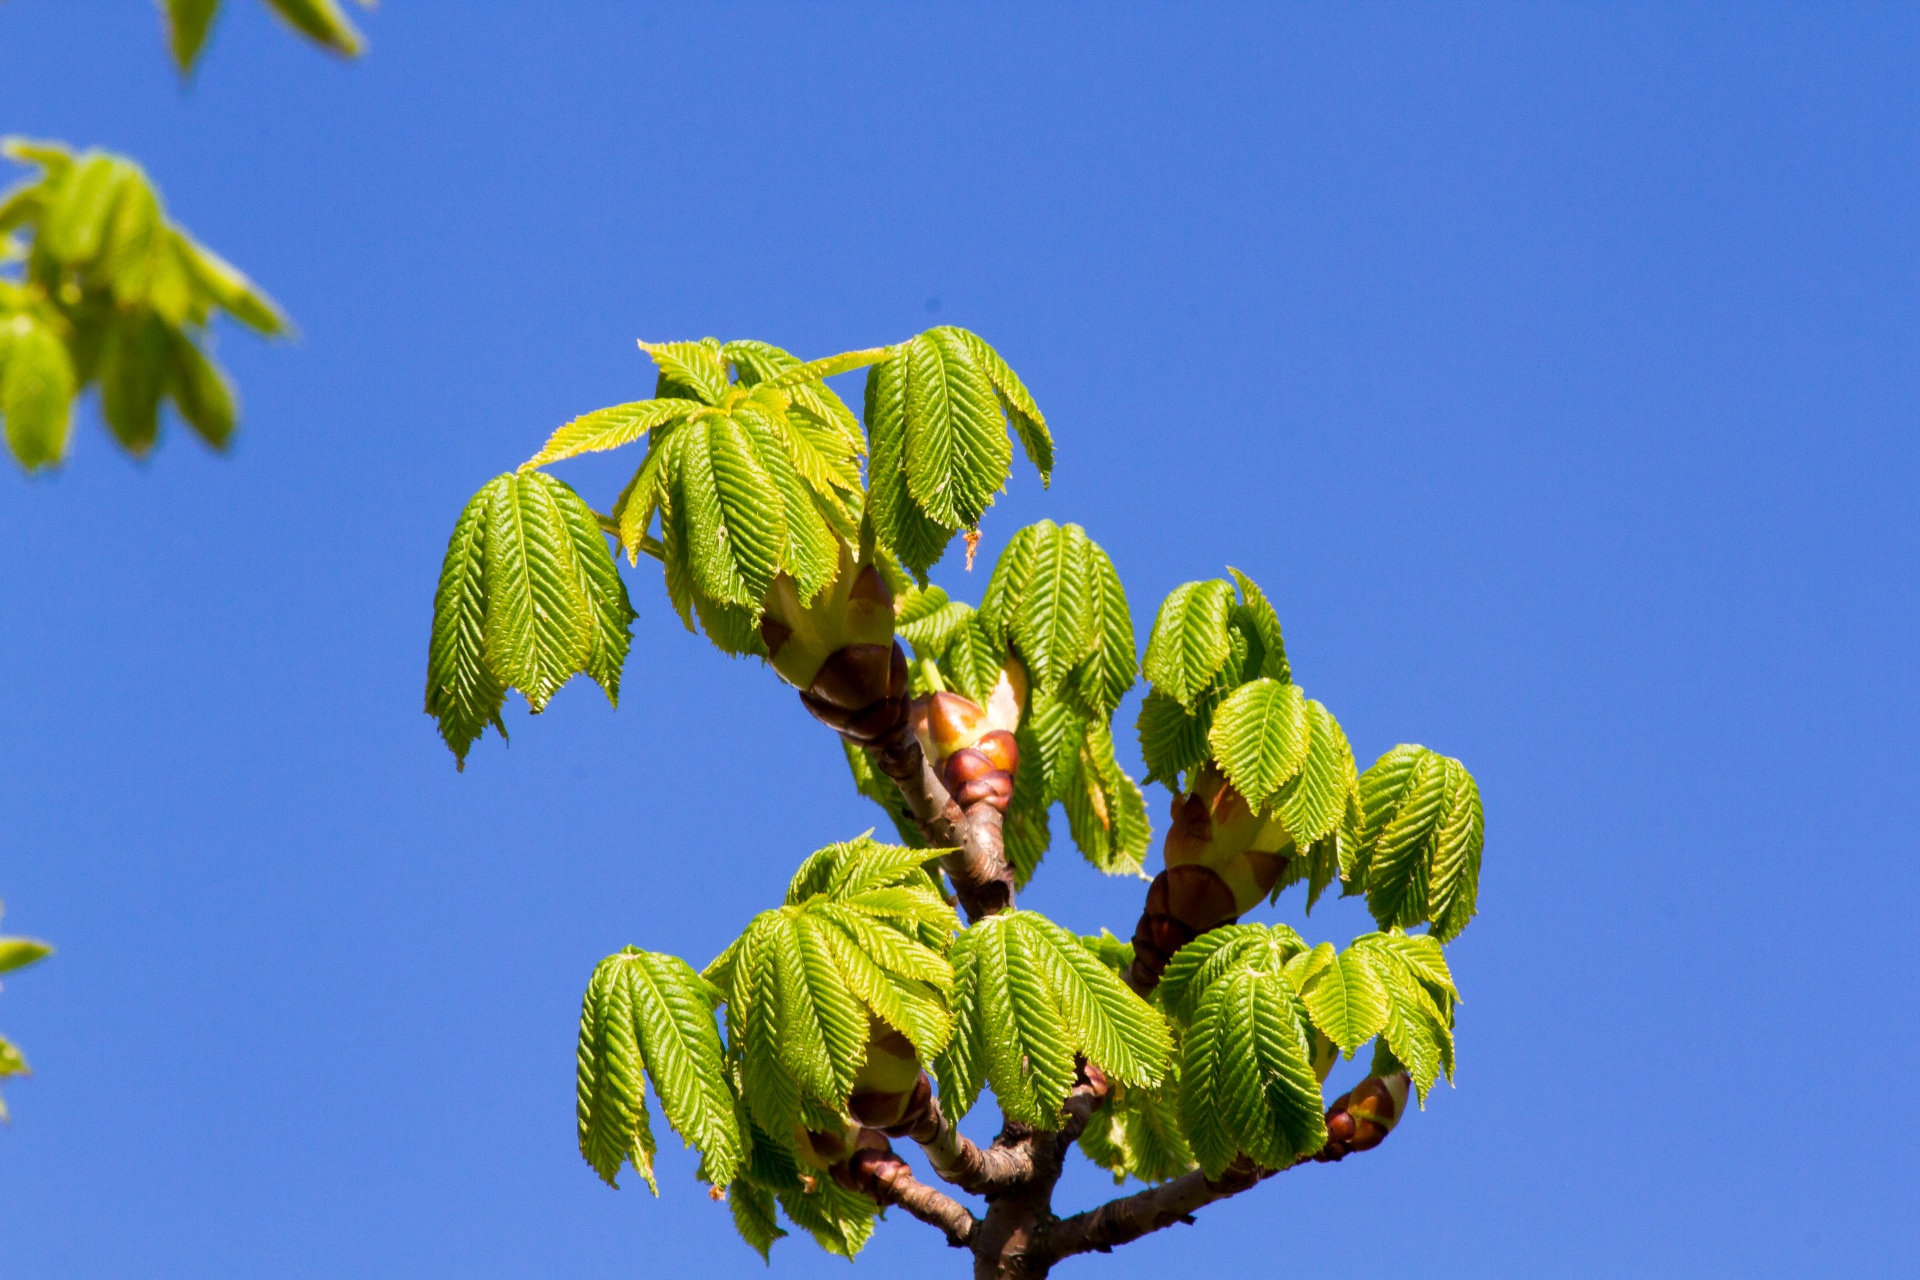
(1246, 1077)
(539, 626)
(463, 693)
(1137, 1134)
(188, 22)
(1189, 644)
(1420, 841)
(609, 429)
(1260, 736)
(1347, 1001)
(37, 387)
(1256, 616)
(322, 22)
(1105, 809)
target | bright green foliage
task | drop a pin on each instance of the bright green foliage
(861, 936)
(840, 1221)
(1416, 849)
(752, 476)
(1286, 753)
(1027, 997)
(529, 596)
(109, 294)
(937, 410)
(1055, 604)
(643, 1009)
(1246, 1076)
(1137, 1134)
(190, 21)
(1206, 642)
(17, 953)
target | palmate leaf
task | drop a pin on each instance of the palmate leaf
(1172, 739)
(609, 428)
(1028, 996)
(936, 413)
(696, 369)
(529, 596)
(1246, 1076)
(1260, 736)
(653, 1011)
(1419, 841)
(1198, 964)
(852, 943)
(1189, 644)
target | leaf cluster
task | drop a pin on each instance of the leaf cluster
(1028, 998)
(1417, 843)
(108, 292)
(860, 940)
(1055, 605)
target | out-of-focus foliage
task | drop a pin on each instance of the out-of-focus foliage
(99, 289)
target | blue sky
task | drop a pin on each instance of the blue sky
(1553, 368)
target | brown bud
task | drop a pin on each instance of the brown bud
(1339, 1126)
(995, 788)
(966, 764)
(897, 672)
(953, 722)
(1191, 835)
(774, 634)
(854, 676)
(878, 721)
(999, 746)
(1199, 898)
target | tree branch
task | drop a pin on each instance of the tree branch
(956, 1158)
(877, 1172)
(1357, 1121)
(978, 867)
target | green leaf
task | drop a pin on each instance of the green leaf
(1189, 644)
(957, 454)
(539, 625)
(1007, 584)
(200, 391)
(18, 953)
(1172, 740)
(1246, 1078)
(608, 429)
(463, 693)
(188, 22)
(132, 373)
(1260, 736)
(322, 22)
(1053, 625)
(1316, 799)
(1419, 1030)
(611, 1099)
(815, 370)
(693, 366)
(1196, 966)
(736, 520)
(1256, 616)
(1027, 997)
(12, 1063)
(673, 1013)
(599, 583)
(1105, 809)
(1016, 403)
(753, 1216)
(972, 661)
(840, 1221)
(226, 286)
(37, 387)
(1347, 1001)
(898, 522)
(1138, 1134)
(1420, 841)
(1108, 671)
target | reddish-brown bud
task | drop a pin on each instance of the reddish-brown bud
(870, 588)
(966, 764)
(999, 746)
(953, 722)
(1199, 898)
(854, 676)
(877, 1110)
(995, 788)
(1340, 1126)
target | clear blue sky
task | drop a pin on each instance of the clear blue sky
(1554, 368)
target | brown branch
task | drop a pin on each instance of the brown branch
(1357, 1121)
(956, 1157)
(877, 1172)
(978, 866)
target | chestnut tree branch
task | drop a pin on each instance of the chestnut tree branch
(978, 867)
(884, 1176)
